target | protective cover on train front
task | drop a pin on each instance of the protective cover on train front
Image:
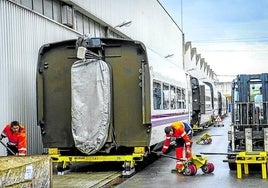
(90, 99)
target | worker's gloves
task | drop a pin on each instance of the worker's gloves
(173, 141)
(159, 153)
(1, 136)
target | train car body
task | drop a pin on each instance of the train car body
(104, 106)
(207, 115)
(218, 103)
(249, 129)
(201, 105)
(171, 95)
(214, 100)
(222, 105)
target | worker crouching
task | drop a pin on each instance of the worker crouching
(17, 140)
(181, 133)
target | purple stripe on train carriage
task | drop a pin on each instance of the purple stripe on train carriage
(167, 115)
(156, 121)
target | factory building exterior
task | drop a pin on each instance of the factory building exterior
(26, 25)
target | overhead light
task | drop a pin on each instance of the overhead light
(191, 69)
(125, 23)
(169, 55)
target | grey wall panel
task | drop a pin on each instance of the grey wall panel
(22, 33)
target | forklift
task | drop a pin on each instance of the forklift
(248, 137)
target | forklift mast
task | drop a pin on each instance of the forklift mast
(249, 113)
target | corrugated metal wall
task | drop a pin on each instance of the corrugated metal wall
(150, 23)
(22, 33)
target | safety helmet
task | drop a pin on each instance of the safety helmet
(168, 129)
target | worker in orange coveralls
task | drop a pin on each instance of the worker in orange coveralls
(181, 133)
(17, 140)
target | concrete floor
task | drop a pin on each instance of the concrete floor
(84, 179)
(159, 173)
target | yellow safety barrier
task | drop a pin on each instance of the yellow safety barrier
(245, 158)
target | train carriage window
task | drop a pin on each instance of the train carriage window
(183, 99)
(208, 102)
(166, 93)
(179, 98)
(183, 94)
(172, 97)
(216, 103)
(208, 98)
(157, 95)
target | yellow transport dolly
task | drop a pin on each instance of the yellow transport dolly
(204, 139)
(192, 165)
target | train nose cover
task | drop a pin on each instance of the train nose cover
(90, 85)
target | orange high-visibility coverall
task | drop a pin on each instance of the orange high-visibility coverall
(182, 132)
(17, 139)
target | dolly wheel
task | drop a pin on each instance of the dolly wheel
(190, 170)
(211, 167)
(195, 170)
(209, 140)
(208, 168)
(60, 167)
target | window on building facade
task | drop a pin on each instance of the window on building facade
(27, 3)
(57, 11)
(66, 14)
(79, 22)
(48, 8)
(97, 29)
(38, 6)
(86, 26)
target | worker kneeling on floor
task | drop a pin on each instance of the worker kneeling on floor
(181, 132)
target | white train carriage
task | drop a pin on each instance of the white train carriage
(112, 104)
(170, 95)
(207, 113)
(223, 105)
(202, 108)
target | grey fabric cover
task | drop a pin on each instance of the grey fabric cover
(90, 85)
